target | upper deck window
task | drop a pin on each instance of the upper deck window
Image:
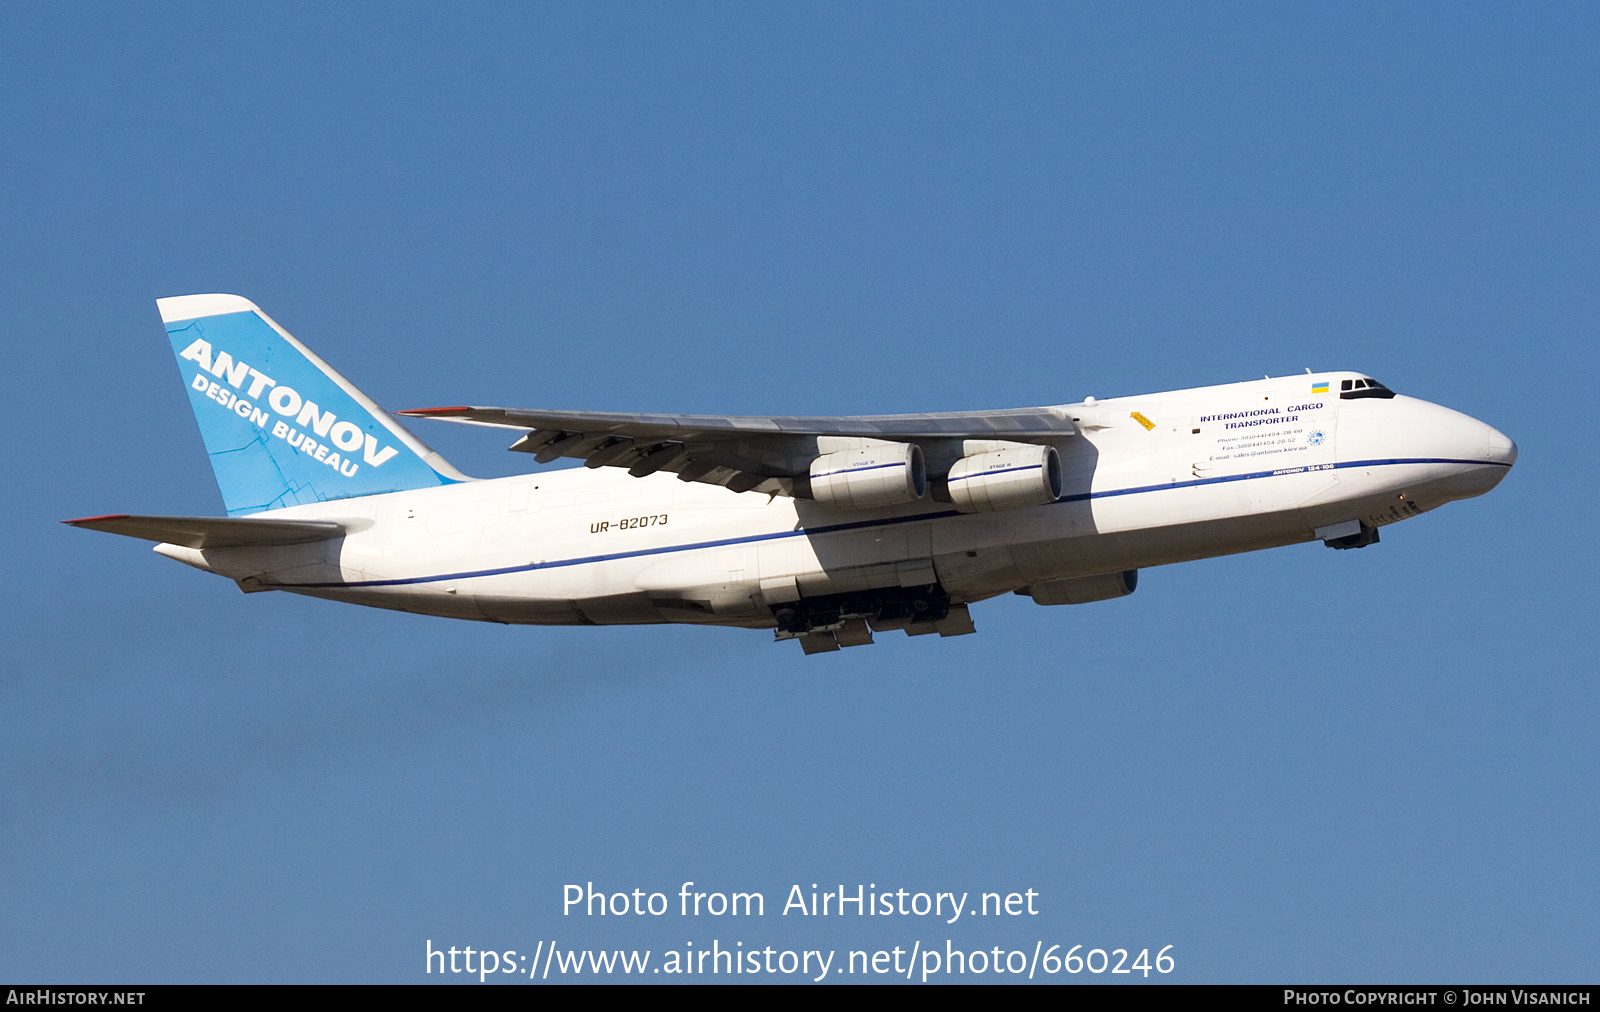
(1350, 390)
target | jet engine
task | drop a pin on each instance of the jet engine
(878, 474)
(1084, 589)
(1006, 479)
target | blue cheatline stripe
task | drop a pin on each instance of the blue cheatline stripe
(1003, 470)
(562, 563)
(1080, 497)
(853, 470)
(859, 525)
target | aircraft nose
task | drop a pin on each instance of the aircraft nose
(1478, 454)
(1488, 444)
(1501, 449)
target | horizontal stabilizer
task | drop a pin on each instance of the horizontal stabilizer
(215, 532)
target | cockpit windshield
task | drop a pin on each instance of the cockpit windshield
(1351, 390)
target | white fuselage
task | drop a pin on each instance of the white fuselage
(1148, 481)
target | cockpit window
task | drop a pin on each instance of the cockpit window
(1350, 390)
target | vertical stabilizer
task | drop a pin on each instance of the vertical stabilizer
(281, 426)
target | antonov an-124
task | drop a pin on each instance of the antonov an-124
(826, 530)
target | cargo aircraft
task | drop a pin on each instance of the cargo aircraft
(826, 530)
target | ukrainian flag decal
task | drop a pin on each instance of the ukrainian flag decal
(1320, 388)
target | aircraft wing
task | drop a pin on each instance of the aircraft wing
(744, 453)
(214, 532)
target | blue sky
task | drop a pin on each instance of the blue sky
(1294, 765)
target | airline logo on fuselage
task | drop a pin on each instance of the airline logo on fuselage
(345, 437)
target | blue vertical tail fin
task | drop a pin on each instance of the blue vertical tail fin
(281, 426)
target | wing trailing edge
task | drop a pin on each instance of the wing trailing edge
(769, 455)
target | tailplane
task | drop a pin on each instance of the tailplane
(220, 532)
(281, 426)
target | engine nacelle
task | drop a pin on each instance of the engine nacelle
(1006, 479)
(878, 474)
(1084, 589)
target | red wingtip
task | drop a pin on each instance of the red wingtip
(434, 411)
(108, 516)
